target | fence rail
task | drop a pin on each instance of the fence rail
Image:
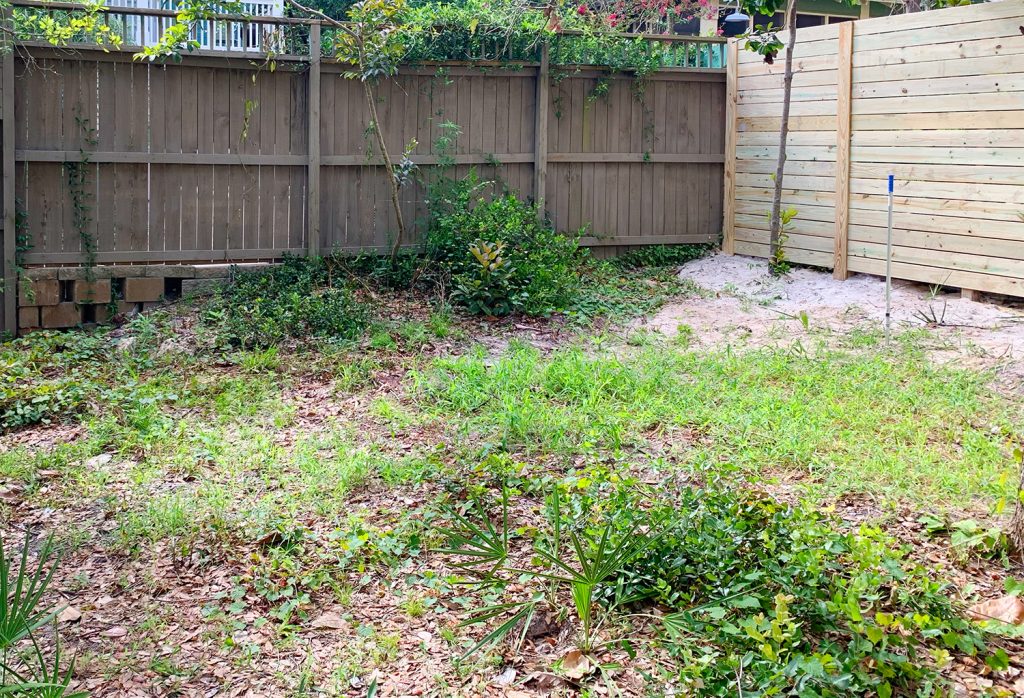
(219, 158)
(935, 99)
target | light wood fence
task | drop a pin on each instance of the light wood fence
(934, 98)
(220, 159)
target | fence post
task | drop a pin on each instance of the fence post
(729, 189)
(9, 312)
(540, 133)
(844, 97)
(313, 141)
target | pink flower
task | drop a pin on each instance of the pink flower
(582, 9)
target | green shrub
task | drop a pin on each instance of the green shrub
(538, 273)
(762, 598)
(660, 256)
(47, 375)
(294, 300)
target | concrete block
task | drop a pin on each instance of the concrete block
(107, 312)
(201, 287)
(111, 271)
(170, 271)
(39, 292)
(127, 270)
(97, 291)
(40, 273)
(212, 271)
(144, 290)
(28, 317)
(60, 315)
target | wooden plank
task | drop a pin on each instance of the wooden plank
(992, 238)
(605, 241)
(818, 153)
(129, 257)
(986, 101)
(956, 208)
(936, 120)
(998, 157)
(731, 138)
(178, 158)
(795, 242)
(9, 307)
(1000, 193)
(798, 256)
(844, 88)
(978, 48)
(974, 84)
(797, 197)
(939, 275)
(982, 264)
(978, 138)
(773, 124)
(810, 212)
(773, 94)
(826, 184)
(819, 108)
(940, 172)
(927, 70)
(313, 144)
(822, 168)
(800, 65)
(940, 18)
(1007, 26)
(540, 132)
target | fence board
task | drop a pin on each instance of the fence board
(198, 162)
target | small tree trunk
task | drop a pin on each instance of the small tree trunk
(389, 166)
(787, 90)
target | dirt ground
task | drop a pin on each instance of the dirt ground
(748, 306)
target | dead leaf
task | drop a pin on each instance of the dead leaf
(11, 493)
(1007, 609)
(116, 631)
(330, 621)
(69, 615)
(576, 665)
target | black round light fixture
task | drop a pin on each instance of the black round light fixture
(736, 23)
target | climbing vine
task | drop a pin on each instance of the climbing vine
(79, 181)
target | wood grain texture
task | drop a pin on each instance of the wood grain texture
(844, 96)
(935, 99)
(729, 185)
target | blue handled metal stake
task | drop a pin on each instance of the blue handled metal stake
(888, 266)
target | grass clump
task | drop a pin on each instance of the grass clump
(297, 299)
(880, 423)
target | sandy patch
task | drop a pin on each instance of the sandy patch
(747, 306)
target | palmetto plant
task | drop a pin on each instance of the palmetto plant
(581, 561)
(24, 667)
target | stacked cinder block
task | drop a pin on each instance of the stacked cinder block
(68, 296)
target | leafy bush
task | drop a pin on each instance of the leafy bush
(295, 299)
(660, 256)
(776, 598)
(538, 272)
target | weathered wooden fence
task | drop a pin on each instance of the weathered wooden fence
(219, 158)
(934, 98)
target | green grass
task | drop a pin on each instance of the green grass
(880, 423)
